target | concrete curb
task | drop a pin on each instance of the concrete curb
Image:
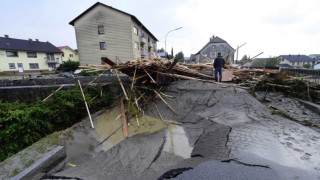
(39, 169)
(312, 106)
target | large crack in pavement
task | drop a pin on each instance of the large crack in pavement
(230, 132)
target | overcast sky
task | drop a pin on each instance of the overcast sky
(274, 27)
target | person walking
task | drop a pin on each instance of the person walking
(218, 65)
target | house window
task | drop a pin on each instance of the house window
(50, 57)
(32, 54)
(12, 53)
(12, 65)
(34, 65)
(103, 46)
(136, 45)
(135, 30)
(71, 55)
(100, 30)
(20, 65)
(213, 46)
(62, 54)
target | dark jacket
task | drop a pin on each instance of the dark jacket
(218, 62)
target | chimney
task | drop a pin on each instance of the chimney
(30, 41)
(6, 36)
(37, 40)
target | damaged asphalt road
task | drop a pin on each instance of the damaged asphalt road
(232, 134)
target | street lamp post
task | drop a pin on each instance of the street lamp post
(165, 41)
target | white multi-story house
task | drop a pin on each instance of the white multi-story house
(17, 55)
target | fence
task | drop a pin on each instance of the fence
(309, 75)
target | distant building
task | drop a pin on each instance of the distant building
(17, 55)
(103, 31)
(316, 57)
(296, 61)
(69, 54)
(211, 49)
(162, 54)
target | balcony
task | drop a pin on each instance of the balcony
(143, 53)
(143, 40)
(52, 61)
(150, 45)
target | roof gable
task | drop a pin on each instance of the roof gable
(297, 58)
(66, 47)
(25, 45)
(98, 3)
(216, 39)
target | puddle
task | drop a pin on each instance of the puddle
(177, 142)
(107, 123)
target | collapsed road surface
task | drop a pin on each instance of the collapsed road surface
(230, 135)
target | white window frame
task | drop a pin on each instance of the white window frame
(135, 30)
(12, 66)
(12, 53)
(71, 55)
(32, 54)
(136, 45)
(34, 65)
(101, 30)
(103, 45)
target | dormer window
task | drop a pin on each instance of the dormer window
(100, 30)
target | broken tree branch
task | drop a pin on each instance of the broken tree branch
(52, 93)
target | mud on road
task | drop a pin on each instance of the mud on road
(222, 130)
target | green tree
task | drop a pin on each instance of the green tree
(244, 57)
(273, 61)
(307, 66)
(258, 63)
(69, 65)
(170, 56)
(160, 50)
(180, 56)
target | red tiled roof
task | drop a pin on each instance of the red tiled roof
(62, 47)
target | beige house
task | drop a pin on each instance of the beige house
(103, 31)
(68, 54)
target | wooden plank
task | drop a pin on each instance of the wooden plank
(52, 93)
(124, 118)
(85, 102)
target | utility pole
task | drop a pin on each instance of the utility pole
(238, 49)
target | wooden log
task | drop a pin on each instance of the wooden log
(150, 76)
(85, 102)
(278, 85)
(124, 118)
(196, 79)
(284, 75)
(134, 76)
(52, 93)
(123, 89)
(165, 102)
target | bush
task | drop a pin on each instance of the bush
(22, 125)
(69, 66)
